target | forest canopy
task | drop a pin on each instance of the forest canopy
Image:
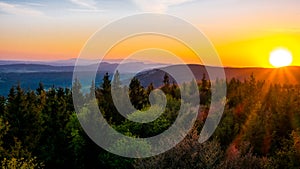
(260, 127)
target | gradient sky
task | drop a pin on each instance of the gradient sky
(244, 32)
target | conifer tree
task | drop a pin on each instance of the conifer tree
(137, 94)
(106, 84)
(116, 80)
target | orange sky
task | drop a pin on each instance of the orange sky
(243, 32)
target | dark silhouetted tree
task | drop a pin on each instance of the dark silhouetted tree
(137, 94)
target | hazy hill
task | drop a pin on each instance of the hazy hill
(129, 67)
(270, 75)
(72, 62)
(29, 75)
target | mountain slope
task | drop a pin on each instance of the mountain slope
(130, 67)
(284, 75)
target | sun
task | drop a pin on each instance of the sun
(280, 58)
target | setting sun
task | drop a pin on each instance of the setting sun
(280, 58)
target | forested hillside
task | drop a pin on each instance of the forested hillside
(260, 127)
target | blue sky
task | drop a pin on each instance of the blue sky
(53, 7)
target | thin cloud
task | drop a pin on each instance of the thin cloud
(35, 4)
(159, 6)
(87, 10)
(17, 9)
(90, 4)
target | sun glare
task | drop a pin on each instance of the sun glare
(280, 58)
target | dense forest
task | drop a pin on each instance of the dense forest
(260, 127)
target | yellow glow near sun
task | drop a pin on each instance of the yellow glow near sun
(280, 58)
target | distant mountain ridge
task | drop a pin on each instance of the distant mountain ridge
(285, 75)
(75, 61)
(29, 75)
(129, 67)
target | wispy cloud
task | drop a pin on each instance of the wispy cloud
(87, 10)
(159, 6)
(35, 4)
(89, 4)
(18, 9)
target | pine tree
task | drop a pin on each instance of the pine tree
(205, 91)
(40, 89)
(137, 94)
(77, 94)
(106, 84)
(91, 94)
(150, 88)
(204, 83)
(116, 83)
(166, 87)
(175, 92)
(2, 105)
(166, 80)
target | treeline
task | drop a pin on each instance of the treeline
(260, 127)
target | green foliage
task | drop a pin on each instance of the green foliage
(136, 145)
(77, 142)
(288, 155)
(20, 158)
(137, 94)
(227, 130)
(205, 92)
(2, 104)
(4, 127)
(76, 90)
(259, 129)
(105, 100)
(21, 163)
(106, 85)
(145, 129)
